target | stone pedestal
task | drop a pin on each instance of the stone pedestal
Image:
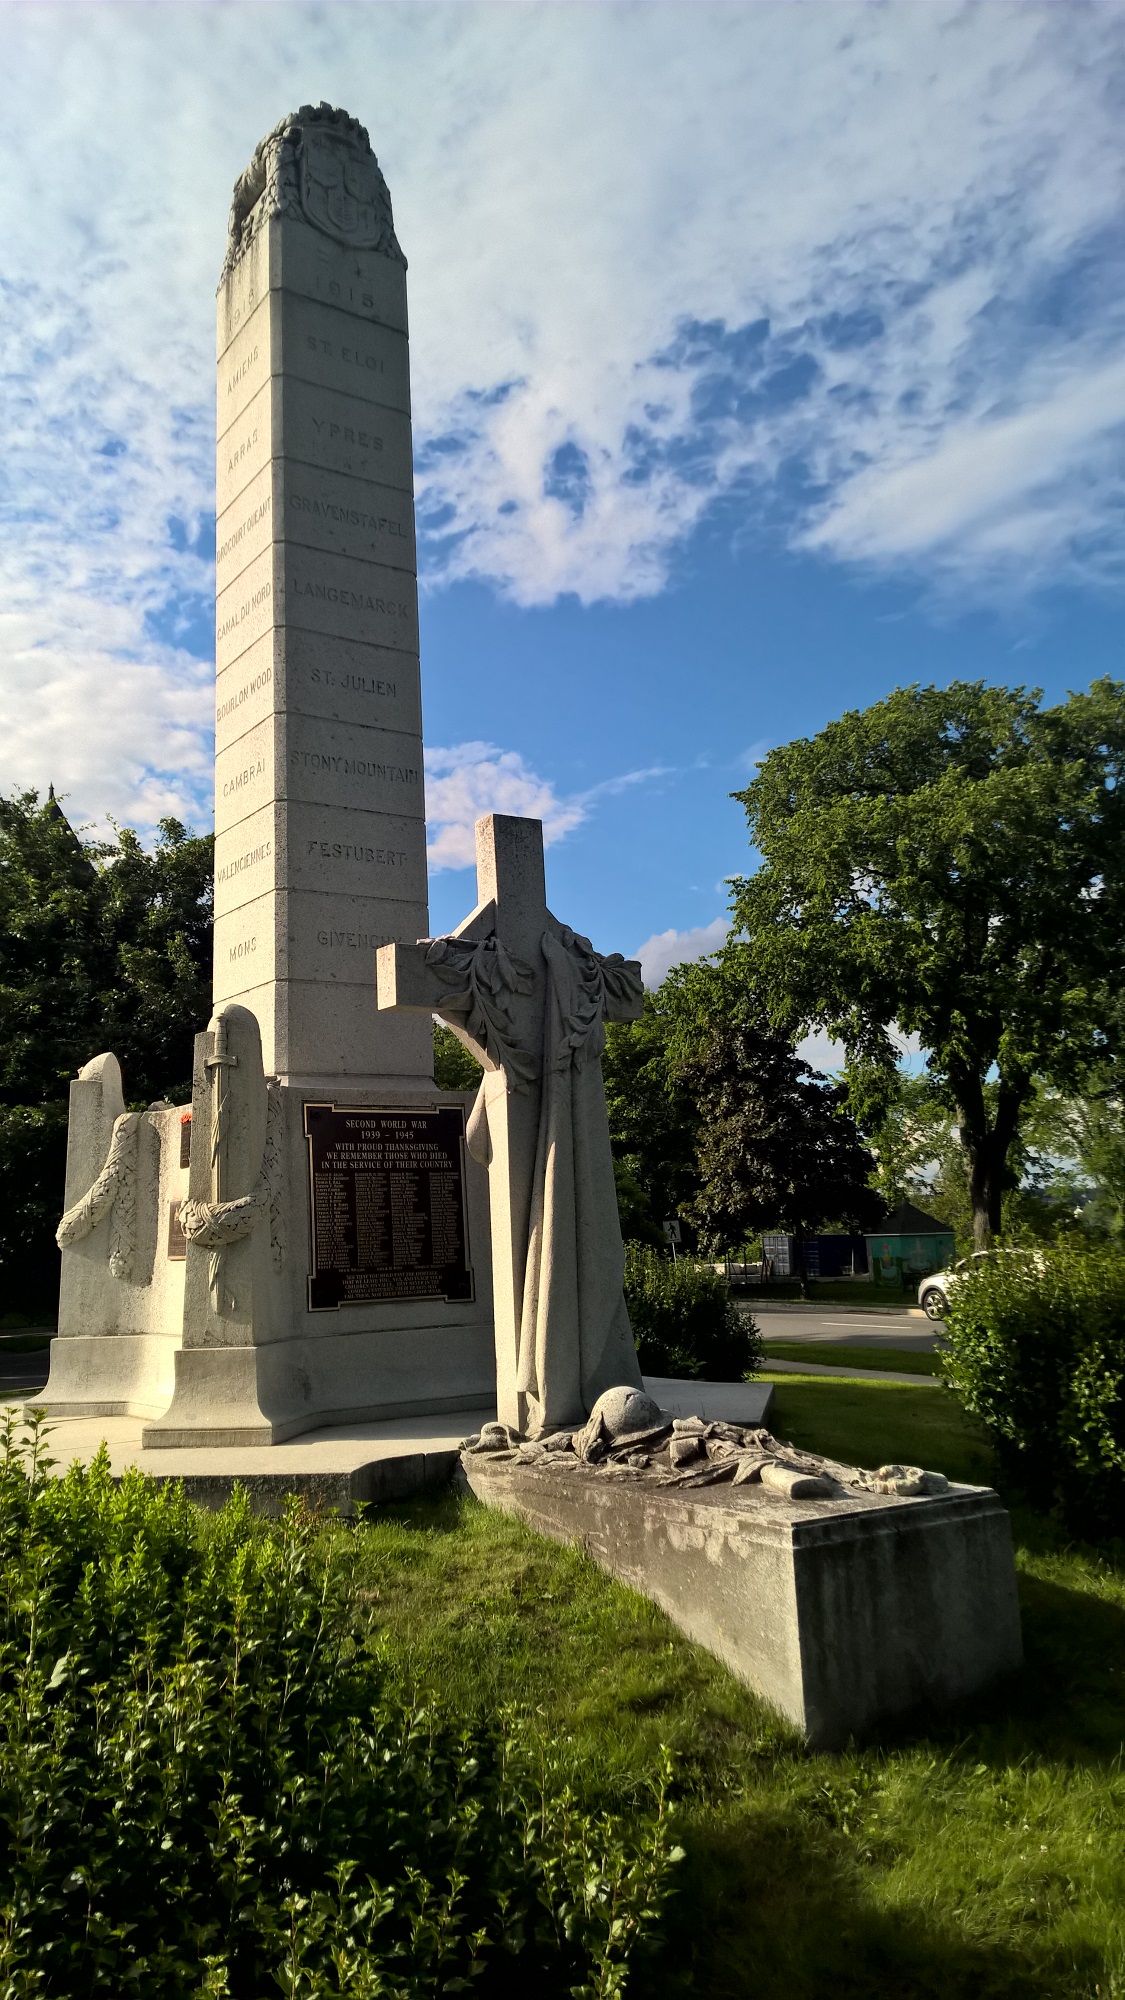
(256, 1366)
(844, 1614)
(233, 1356)
(121, 1296)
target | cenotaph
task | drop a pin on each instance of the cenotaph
(310, 1242)
(307, 1244)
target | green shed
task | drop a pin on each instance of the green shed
(907, 1245)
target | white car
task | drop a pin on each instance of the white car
(933, 1292)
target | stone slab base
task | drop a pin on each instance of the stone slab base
(347, 1466)
(359, 1461)
(842, 1613)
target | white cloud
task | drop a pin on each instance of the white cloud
(859, 267)
(822, 1053)
(1015, 484)
(469, 779)
(658, 954)
(475, 778)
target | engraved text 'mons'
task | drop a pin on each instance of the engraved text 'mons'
(386, 1205)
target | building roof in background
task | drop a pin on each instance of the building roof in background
(84, 870)
(906, 1220)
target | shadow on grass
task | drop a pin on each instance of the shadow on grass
(770, 1905)
(1069, 1701)
(967, 1856)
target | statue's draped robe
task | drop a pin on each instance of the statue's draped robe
(575, 1339)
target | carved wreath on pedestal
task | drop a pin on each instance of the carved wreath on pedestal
(113, 1193)
(212, 1225)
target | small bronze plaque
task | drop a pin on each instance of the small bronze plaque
(185, 1139)
(177, 1241)
(386, 1205)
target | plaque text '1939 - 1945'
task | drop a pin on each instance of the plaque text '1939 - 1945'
(386, 1205)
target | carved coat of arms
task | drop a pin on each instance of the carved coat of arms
(342, 190)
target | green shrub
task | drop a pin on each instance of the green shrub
(683, 1320)
(1035, 1348)
(209, 1785)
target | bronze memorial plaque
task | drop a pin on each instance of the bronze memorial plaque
(386, 1205)
(177, 1241)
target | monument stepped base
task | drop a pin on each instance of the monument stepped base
(345, 1466)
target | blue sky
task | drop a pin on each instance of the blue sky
(764, 357)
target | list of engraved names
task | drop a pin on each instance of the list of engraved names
(386, 1205)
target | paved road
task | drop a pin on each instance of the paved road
(22, 1374)
(850, 1329)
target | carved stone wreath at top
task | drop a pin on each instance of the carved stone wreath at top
(317, 165)
(481, 975)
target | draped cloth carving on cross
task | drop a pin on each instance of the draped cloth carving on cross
(530, 997)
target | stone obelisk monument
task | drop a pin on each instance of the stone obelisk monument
(320, 851)
(309, 1244)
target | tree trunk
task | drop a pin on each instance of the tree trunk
(987, 1148)
(986, 1189)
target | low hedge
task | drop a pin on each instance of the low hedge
(210, 1783)
(1035, 1348)
(683, 1320)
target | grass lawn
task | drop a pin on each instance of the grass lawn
(903, 1360)
(976, 1857)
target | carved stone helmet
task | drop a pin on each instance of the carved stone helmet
(626, 1410)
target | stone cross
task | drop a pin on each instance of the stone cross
(530, 998)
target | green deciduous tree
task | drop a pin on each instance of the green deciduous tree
(920, 1158)
(103, 945)
(951, 862)
(652, 1123)
(454, 1067)
(1098, 1132)
(775, 1143)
